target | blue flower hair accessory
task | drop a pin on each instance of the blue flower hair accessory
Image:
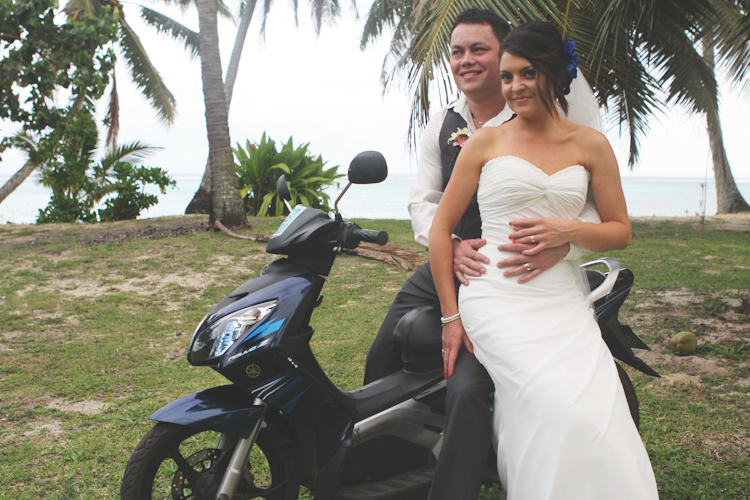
(571, 71)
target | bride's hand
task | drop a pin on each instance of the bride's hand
(530, 266)
(546, 232)
(453, 335)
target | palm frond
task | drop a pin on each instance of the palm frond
(25, 141)
(420, 47)
(732, 34)
(690, 82)
(177, 31)
(386, 14)
(184, 5)
(323, 11)
(224, 11)
(113, 115)
(145, 75)
(127, 152)
(266, 10)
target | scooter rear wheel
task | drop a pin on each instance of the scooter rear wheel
(175, 462)
(630, 395)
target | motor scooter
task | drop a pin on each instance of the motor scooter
(282, 423)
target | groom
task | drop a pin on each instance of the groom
(475, 44)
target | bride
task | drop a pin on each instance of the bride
(561, 420)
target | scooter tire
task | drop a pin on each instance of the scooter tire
(154, 470)
(630, 395)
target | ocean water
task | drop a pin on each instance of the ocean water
(645, 196)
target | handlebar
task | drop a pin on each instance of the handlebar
(379, 237)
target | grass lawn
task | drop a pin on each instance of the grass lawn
(95, 320)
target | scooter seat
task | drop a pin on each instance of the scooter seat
(419, 331)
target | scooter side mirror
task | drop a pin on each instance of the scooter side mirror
(282, 190)
(368, 167)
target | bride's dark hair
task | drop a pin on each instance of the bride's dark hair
(542, 45)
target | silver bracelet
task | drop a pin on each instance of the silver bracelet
(447, 320)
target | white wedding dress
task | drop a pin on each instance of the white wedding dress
(562, 425)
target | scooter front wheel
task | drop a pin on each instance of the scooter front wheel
(176, 462)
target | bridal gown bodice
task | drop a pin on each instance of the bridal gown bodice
(512, 188)
(563, 429)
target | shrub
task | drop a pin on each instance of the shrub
(260, 165)
(78, 183)
(129, 182)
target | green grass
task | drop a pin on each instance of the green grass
(93, 335)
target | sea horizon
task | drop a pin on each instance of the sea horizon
(645, 196)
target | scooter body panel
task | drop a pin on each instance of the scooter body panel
(226, 409)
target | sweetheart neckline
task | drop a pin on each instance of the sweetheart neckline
(527, 162)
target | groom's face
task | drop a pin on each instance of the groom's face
(475, 59)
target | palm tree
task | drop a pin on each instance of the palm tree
(321, 10)
(226, 203)
(201, 201)
(680, 44)
(633, 50)
(733, 19)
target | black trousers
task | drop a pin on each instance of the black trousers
(468, 432)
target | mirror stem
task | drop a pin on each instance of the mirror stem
(336, 203)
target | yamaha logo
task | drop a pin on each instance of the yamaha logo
(253, 371)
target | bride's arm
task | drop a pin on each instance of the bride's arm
(457, 195)
(613, 233)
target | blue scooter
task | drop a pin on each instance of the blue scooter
(282, 423)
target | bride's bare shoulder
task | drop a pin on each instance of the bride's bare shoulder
(589, 138)
(483, 140)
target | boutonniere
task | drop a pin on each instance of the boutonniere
(457, 139)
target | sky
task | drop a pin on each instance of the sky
(326, 91)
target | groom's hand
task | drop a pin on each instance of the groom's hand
(538, 263)
(453, 335)
(467, 261)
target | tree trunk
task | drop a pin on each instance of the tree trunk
(239, 43)
(202, 198)
(17, 179)
(226, 203)
(729, 200)
(201, 202)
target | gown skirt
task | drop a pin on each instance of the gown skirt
(562, 426)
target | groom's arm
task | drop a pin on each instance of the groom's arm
(516, 266)
(424, 197)
(427, 188)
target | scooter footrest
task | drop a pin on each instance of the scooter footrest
(391, 486)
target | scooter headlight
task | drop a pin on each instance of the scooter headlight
(213, 340)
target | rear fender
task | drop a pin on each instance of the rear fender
(226, 409)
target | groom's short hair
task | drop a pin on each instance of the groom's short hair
(500, 26)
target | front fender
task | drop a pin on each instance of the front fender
(226, 409)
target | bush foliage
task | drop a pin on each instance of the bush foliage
(261, 164)
(79, 183)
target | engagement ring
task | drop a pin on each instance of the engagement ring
(533, 239)
(528, 267)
